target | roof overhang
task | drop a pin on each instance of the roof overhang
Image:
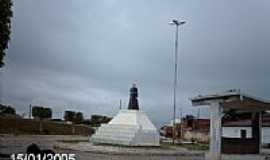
(233, 100)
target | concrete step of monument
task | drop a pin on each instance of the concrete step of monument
(124, 135)
(117, 128)
(113, 131)
(125, 125)
(112, 140)
(118, 135)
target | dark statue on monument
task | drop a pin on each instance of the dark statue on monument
(133, 101)
(130, 127)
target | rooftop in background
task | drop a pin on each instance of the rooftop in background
(233, 99)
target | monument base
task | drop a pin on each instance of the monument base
(128, 128)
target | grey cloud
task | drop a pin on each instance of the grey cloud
(84, 55)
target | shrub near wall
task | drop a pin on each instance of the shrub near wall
(197, 136)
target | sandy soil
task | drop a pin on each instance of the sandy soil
(10, 144)
(86, 151)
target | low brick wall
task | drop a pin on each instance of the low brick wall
(239, 146)
(30, 126)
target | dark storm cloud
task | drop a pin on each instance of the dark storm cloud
(84, 55)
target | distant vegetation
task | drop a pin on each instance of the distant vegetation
(7, 109)
(78, 118)
(97, 120)
(41, 112)
(10, 123)
(43, 123)
(72, 116)
(5, 27)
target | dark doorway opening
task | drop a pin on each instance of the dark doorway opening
(243, 133)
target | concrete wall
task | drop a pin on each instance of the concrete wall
(235, 132)
(239, 146)
(266, 135)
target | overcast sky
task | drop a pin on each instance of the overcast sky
(84, 55)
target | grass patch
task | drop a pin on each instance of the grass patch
(195, 146)
(166, 146)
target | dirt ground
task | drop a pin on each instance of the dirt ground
(79, 146)
(83, 150)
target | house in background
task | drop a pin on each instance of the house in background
(193, 129)
(189, 129)
(242, 129)
(167, 130)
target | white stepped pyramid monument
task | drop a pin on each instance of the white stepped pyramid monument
(130, 127)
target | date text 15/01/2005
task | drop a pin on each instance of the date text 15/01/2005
(57, 156)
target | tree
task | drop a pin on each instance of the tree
(5, 27)
(36, 111)
(78, 117)
(47, 113)
(69, 116)
(9, 110)
(75, 117)
(97, 120)
(41, 112)
(6, 109)
(86, 122)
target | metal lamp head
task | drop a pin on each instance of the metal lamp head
(176, 22)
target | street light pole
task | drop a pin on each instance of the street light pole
(177, 24)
